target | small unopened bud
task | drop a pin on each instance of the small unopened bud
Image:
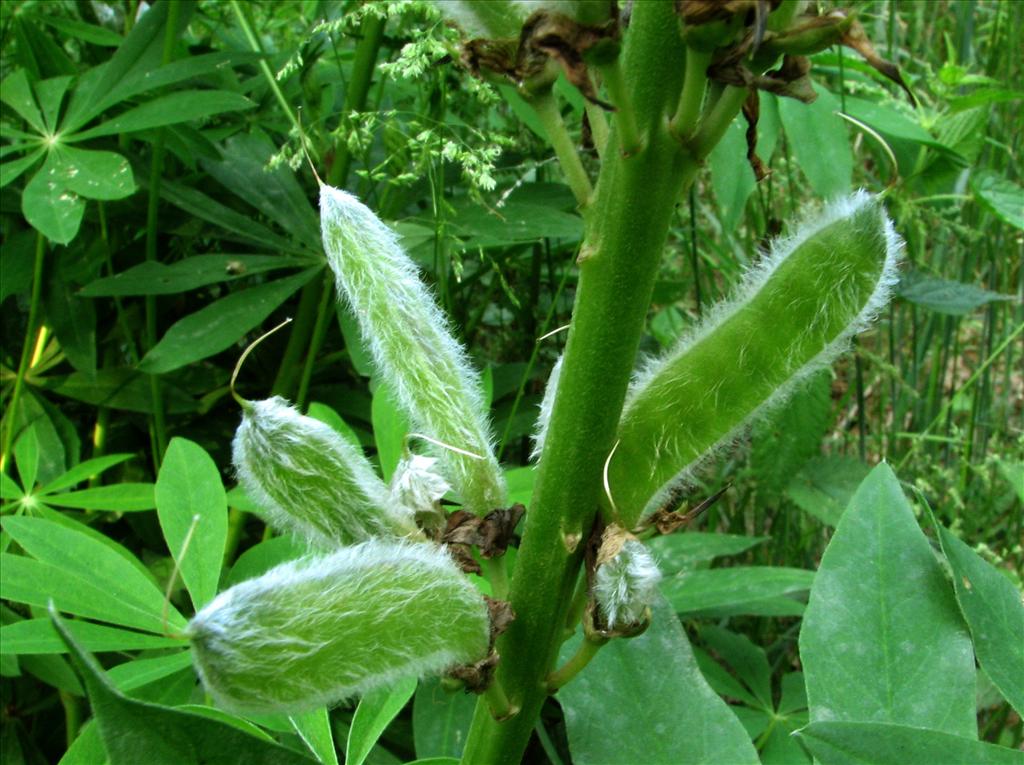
(626, 579)
(323, 629)
(418, 486)
(308, 479)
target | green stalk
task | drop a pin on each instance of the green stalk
(152, 211)
(627, 226)
(307, 332)
(625, 114)
(371, 34)
(684, 122)
(254, 43)
(546, 108)
(588, 650)
(26, 351)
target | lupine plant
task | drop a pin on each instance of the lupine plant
(384, 585)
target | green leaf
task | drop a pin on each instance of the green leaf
(390, 427)
(732, 179)
(87, 748)
(655, 675)
(94, 174)
(992, 607)
(330, 417)
(9, 489)
(819, 142)
(891, 122)
(825, 485)
(314, 728)
(192, 508)
(10, 171)
(220, 324)
(874, 743)
(275, 193)
(179, 106)
(375, 712)
(134, 731)
(440, 719)
(76, 569)
(262, 557)
(155, 278)
(515, 222)
(121, 497)
(881, 638)
(120, 388)
(26, 458)
(946, 296)
(73, 319)
(787, 438)
(747, 660)
(80, 30)
(677, 552)
(84, 471)
(16, 92)
(520, 484)
(25, 580)
(139, 672)
(1002, 197)
(739, 590)
(50, 208)
(37, 636)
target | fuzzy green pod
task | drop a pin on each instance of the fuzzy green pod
(412, 345)
(309, 480)
(793, 314)
(323, 629)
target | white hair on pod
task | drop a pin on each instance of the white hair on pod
(547, 405)
(307, 478)
(412, 345)
(320, 630)
(625, 585)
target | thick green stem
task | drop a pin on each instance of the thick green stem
(627, 226)
(546, 107)
(26, 353)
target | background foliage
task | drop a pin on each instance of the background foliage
(156, 217)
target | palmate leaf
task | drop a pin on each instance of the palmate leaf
(82, 576)
(375, 712)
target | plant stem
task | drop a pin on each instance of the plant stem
(625, 114)
(715, 124)
(26, 351)
(72, 716)
(588, 650)
(371, 35)
(598, 126)
(684, 122)
(323, 314)
(152, 212)
(627, 226)
(546, 108)
(254, 43)
(497, 575)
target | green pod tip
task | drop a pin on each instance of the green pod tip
(793, 314)
(306, 478)
(320, 630)
(412, 346)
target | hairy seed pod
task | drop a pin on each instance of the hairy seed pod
(322, 629)
(308, 479)
(412, 345)
(792, 315)
(626, 579)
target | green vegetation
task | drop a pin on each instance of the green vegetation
(607, 264)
